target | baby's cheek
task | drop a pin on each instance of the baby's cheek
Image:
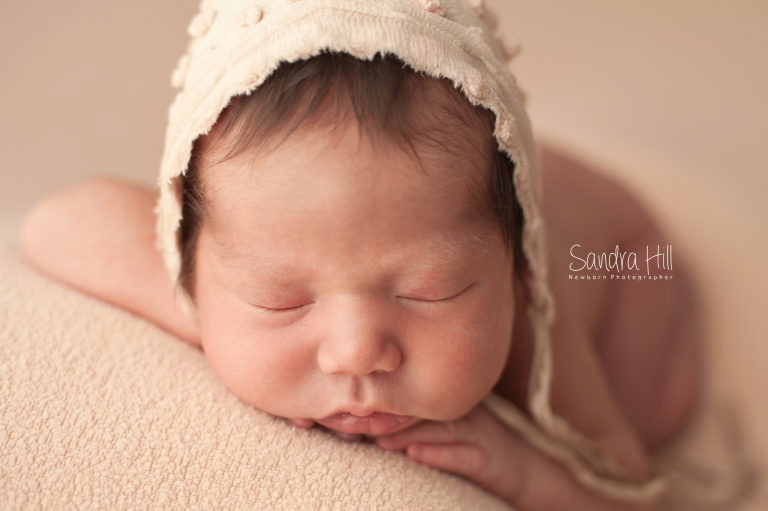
(458, 364)
(261, 367)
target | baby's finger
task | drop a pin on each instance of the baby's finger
(302, 423)
(428, 432)
(464, 459)
(347, 437)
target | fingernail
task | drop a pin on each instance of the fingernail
(302, 423)
(348, 437)
(415, 451)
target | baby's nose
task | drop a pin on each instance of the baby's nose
(358, 357)
(360, 343)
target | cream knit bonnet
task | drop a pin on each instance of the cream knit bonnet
(237, 44)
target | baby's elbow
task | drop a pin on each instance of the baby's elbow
(52, 223)
(38, 228)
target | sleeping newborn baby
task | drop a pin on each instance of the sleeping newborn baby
(351, 246)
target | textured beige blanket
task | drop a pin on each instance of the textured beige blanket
(101, 410)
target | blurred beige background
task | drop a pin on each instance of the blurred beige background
(668, 95)
(680, 84)
(84, 91)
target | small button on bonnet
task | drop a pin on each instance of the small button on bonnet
(433, 6)
(505, 131)
(477, 5)
(476, 86)
(509, 48)
(251, 16)
(202, 23)
(480, 33)
(180, 73)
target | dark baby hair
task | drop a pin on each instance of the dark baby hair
(385, 97)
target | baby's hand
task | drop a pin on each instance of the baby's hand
(482, 449)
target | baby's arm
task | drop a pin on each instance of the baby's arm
(482, 449)
(100, 238)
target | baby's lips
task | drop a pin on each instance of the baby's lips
(373, 424)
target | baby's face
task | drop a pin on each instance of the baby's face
(342, 283)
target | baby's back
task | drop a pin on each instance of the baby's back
(643, 332)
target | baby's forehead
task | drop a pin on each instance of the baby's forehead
(385, 99)
(444, 143)
(346, 168)
(344, 159)
(315, 192)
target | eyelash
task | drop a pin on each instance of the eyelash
(449, 299)
(269, 310)
(281, 311)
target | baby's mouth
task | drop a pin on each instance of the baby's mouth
(377, 423)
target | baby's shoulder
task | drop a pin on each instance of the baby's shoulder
(587, 207)
(585, 211)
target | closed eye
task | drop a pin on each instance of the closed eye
(270, 310)
(437, 300)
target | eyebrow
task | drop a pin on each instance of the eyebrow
(446, 251)
(440, 253)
